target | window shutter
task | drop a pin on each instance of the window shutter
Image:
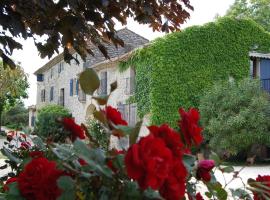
(77, 87)
(51, 94)
(103, 83)
(133, 115)
(71, 87)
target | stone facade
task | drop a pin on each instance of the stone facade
(58, 81)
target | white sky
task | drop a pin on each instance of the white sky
(204, 11)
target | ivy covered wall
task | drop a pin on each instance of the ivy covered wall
(175, 70)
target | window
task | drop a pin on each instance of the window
(33, 119)
(130, 83)
(71, 87)
(103, 84)
(51, 93)
(40, 77)
(43, 95)
(51, 72)
(60, 67)
(128, 112)
(62, 97)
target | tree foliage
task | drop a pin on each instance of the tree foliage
(76, 23)
(258, 10)
(16, 117)
(235, 116)
(177, 69)
(13, 86)
(48, 124)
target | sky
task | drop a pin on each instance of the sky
(204, 11)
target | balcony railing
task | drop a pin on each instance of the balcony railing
(265, 84)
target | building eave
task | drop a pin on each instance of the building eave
(259, 55)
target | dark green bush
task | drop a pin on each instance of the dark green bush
(47, 124)
(16, 117)
(235, 116)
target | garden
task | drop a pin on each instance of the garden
(68, 162)
(206, 112)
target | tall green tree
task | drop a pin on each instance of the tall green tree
(258, 10)
(13, 84)
(76, 23)
(15, 117)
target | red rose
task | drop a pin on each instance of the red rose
(75, 129)
(204, 168)
(82, 162)
(189, 126)
(25, 145)
(23, 135)
(10, 180)
(199, 196)
(174, 186)
(264, 180)
(38, 180)
(149, 162)
(114, 116)
(170, 137)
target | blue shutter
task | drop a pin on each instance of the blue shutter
(77, 87)
(71, 87)
(40, 77)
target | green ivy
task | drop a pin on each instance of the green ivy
(177, 69)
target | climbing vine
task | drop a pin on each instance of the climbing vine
(177, 69)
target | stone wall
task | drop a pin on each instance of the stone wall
(62, 80)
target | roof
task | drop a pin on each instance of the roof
(60, 57)
(112, 62)
(52, 62)
(259, 55)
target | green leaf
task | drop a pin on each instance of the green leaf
(39, 143)
(89, 81)
(208, 194)
(14, 192)
(189, 161)
(216, 158)
(99, 115)
(135, 133)
(64, 152)
(94, 157)
(241, 194)
(113, 86)
(131, 191)
(221, 193)
(10, 155)
(228, 169)
(151, 194)
(67, 185)
(102, 99)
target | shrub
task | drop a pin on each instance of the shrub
(47, 125)
(98, 133)
(235, 115)
(16, 117)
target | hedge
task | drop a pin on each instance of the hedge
(177, 69)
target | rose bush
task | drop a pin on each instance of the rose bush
(157, 166)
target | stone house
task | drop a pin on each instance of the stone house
(57, 81)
